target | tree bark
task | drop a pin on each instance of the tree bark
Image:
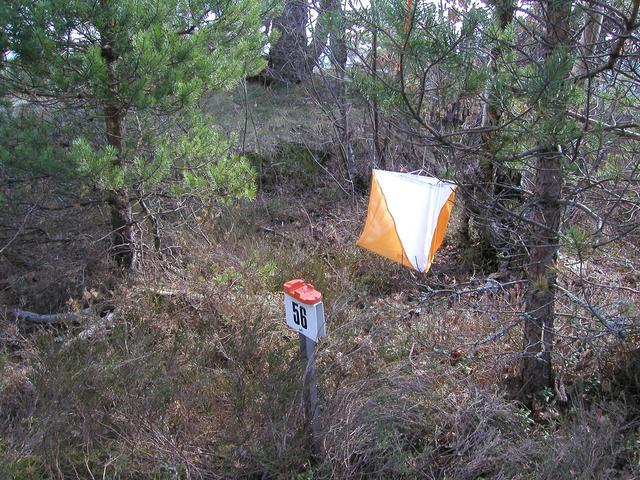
(291, 59)
(541, 275)
(288, 57)
(122, 239)
(536, 373)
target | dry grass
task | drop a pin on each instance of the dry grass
(199, 377)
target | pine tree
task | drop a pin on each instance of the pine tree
(132, 72)
(555, 132)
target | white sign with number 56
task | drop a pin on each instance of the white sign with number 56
(304, 318)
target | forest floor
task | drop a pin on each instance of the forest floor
(188, 369)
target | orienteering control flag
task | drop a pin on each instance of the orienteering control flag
(407, 217)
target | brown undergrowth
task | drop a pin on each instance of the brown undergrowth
(198, 377)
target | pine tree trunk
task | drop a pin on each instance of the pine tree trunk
(544, 240)
(122, 238)
(288, 57)
(541, 275)
(489, 170)
(338, 47)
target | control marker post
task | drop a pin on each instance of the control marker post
(305, 314)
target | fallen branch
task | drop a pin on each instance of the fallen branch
(194, 297)
(97, 325)
(613, 325)
(32, 317)
(55, 318)
(274, 232)
(93, 327)
(491, 285)
(471, 353)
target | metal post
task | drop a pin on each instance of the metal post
(310, 391)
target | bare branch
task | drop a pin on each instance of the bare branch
(620, 130)
(616, 52)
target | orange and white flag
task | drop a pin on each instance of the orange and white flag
(407, 217)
